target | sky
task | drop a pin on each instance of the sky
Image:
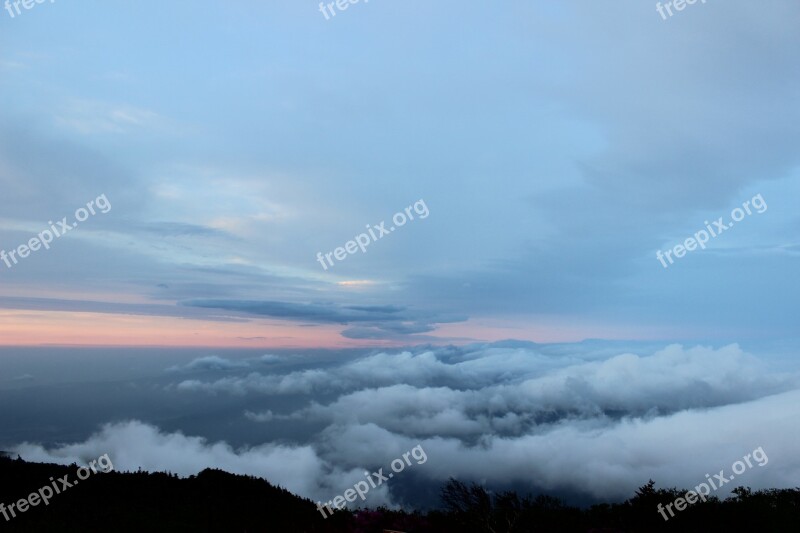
(557, 149)
(201, 159)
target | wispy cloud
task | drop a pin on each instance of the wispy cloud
(91, 117)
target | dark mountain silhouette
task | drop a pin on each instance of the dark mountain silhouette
(218, 501)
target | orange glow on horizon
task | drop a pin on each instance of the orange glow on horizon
(37, 328)
(70, 328)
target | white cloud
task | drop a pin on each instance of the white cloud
(90, 117)
(595, 424)
(132, 445)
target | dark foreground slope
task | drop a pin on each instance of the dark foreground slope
(217, 501)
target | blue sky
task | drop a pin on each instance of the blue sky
(558, 147)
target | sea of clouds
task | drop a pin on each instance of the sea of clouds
(596, 423)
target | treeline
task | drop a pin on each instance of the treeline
(217, 501)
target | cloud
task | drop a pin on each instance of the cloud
(266, 416)
(610, 460)
(171, 229)
(377, 369)
(89, 117)
(12, 65)
(215, 363)
(211, 362)
(133, 444)
(386, 322)
(322, 313)
(88, 306)
(588, 419)
(604, 460)
(531, 380)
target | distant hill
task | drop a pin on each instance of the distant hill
(216, 501)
